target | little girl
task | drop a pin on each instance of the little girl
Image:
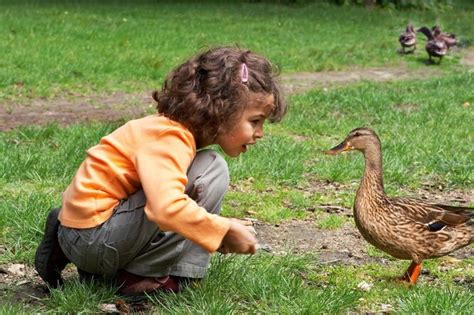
(143, 207)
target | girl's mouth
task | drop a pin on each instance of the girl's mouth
(244, 148)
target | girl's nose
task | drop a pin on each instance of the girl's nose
(259, 133)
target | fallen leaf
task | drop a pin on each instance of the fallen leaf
(365, 286)
(17, 269)
(108, 308)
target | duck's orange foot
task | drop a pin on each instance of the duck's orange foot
(412, 273)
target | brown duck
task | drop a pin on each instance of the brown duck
(404, 228)
(449, 38)
(435, 46)
(407, 39)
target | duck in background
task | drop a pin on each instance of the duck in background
(405, 228)
(449, 38)
(435, 46)
(407, 39)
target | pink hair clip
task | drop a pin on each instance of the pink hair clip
(244, 73)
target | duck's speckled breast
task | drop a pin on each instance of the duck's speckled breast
(378, 229)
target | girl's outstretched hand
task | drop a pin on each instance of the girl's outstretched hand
(240, 239)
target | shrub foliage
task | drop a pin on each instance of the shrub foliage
(400, 4)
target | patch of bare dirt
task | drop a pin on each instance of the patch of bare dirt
(73, 109)
(21, 284)
(301, 82)
(343, 245)
(339, 246)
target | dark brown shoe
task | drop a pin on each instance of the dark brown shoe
(49, 258)
(135, 285)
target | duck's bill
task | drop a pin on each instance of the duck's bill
(342, 147)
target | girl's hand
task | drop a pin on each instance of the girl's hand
(240, 239)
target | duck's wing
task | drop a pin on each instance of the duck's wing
(455, 215)
(407, 38)
(450, 35)
(438, 47)
(450, 41)
(434, 216)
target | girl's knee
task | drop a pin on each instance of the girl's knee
(208, 179)
(209, 166)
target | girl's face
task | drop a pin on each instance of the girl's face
(248, 127)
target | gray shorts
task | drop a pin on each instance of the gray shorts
(129, 241)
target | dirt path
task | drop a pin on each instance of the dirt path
(303, 81)
(110, 107)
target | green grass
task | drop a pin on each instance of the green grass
(50, 48)
(331, 222)
(452, 301)
(77, 295)
(264, 283)
(53, 48)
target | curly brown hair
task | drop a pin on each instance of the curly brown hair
(206, 93)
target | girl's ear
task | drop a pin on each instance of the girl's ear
(223, 129)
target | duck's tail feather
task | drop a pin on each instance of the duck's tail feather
(466, 212)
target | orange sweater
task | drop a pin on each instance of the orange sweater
(152, 153)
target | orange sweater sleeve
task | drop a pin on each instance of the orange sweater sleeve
(161, 166)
